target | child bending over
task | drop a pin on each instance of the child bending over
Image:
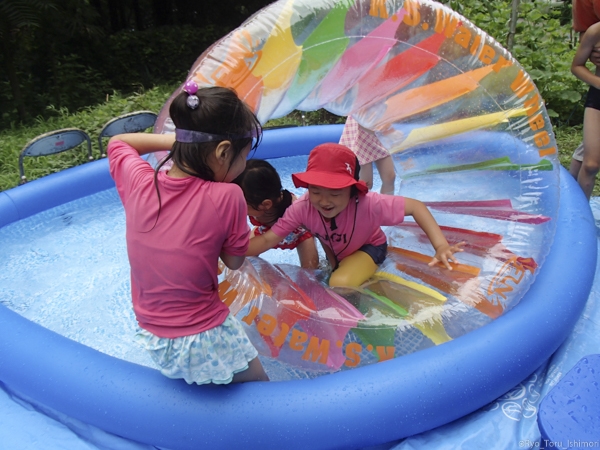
(267, 201)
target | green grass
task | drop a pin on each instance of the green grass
(90, 120)
(93, 119)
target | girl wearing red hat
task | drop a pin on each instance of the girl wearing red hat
(347, 219)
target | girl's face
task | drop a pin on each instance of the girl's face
(329, 202)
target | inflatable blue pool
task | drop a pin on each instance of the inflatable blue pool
(354, 408)
(469, 135)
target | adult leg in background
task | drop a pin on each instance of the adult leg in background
(591, 155)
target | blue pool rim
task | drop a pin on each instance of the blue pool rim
(357, 408)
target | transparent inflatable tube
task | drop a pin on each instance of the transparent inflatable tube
(366, 406)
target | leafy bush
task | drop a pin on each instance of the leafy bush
(92, 119)
(127, 62)
(544, 45)
(155, 56)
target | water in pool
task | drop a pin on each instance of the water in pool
(67, 269)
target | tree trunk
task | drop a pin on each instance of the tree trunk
(162, 12)
(137, 12)
(514, 16)
(13, 79)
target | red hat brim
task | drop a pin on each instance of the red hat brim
(327, 180)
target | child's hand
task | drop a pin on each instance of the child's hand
(445, 253)
(595, 56)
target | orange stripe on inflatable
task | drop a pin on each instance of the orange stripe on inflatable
(234, 71)
(427, 97)
(463, 268)
(451, 284)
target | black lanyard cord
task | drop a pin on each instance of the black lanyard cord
(335, 255)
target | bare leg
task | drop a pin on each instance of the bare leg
(366, 174)
(591, 155)
(353, 270)
(575, 167)
(576, 160)
(254, 372)
(387, 172)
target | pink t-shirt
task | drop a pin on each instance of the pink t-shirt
(359, 224)
(174, 260)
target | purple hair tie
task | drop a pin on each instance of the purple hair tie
(191, 88)
(192, 136)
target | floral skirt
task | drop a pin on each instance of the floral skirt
(212, 356)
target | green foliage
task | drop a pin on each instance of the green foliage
(71, 53)
(134, 61)
(155, 56)
(544, 45)
(303, 118)
(92, 119)
(126, 61)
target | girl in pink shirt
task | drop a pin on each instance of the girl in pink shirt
(347, 219)
(178, 224)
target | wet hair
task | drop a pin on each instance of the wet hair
(260, 181)
(220, 112)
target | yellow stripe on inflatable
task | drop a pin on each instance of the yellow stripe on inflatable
(279, 56)
(442, 130)
(411, 284)
(434, 331)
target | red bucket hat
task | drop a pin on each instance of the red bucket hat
(331, 166)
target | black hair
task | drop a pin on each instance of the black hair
(220, 111)
(259, 182)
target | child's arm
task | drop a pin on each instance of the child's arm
(231, 261)
(146, 142)
(262, 243)
(590, 39)
(443, 250)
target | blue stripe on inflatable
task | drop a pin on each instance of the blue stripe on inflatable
(366, 406)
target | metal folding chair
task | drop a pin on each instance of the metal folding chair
(54, 142)
(127, 123)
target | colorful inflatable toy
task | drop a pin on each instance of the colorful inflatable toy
(437, 92)
(470, 137)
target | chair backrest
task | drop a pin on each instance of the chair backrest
(54, 142)
(127, 123)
